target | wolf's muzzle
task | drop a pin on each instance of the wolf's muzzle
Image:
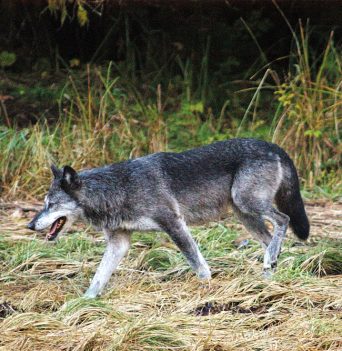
(31, 225)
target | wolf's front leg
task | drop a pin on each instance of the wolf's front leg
(180, 234)
(118, 243)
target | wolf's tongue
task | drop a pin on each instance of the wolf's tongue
(53, 228)
(56, 227)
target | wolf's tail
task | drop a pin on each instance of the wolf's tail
(290, 202)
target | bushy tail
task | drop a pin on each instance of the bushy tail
(290, 202)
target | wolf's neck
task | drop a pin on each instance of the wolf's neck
(102, 204)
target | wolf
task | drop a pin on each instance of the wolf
(168, 191)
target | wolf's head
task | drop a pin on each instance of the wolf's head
(61, 207)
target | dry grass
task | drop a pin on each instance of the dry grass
(154, 301)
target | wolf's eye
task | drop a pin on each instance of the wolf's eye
(51, 204)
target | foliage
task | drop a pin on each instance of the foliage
(310, 106)
(60, 7)
(108, 113)
(7, 59)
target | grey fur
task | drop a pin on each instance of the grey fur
(168, 191)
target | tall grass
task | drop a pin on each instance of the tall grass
(310, 109)
(101, 120)
(106, 115)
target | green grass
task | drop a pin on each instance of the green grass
(73, 247)
(306, 263)
(151, 252)
(151, 300)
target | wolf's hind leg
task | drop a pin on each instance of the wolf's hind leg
(253, 192)
(118, 244)
(280, 223)
(255, 225)
(180, 234)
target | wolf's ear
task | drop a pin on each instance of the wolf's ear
(57, 173)
(70, 179)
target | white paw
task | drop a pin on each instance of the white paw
(204, 274)
(269, 270)
(268, 273)
(90, 294)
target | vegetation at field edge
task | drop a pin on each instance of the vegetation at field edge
(104, 116)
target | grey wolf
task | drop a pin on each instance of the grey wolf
(168, 191)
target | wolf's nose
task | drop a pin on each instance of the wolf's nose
(30, 226)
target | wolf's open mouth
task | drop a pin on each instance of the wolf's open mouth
(56, 227)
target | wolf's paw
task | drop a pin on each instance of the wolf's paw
(268, 271)
(90, 294)
(204, 274)
(243, 244)
(94, 290)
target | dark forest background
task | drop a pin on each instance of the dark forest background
(90, 82)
